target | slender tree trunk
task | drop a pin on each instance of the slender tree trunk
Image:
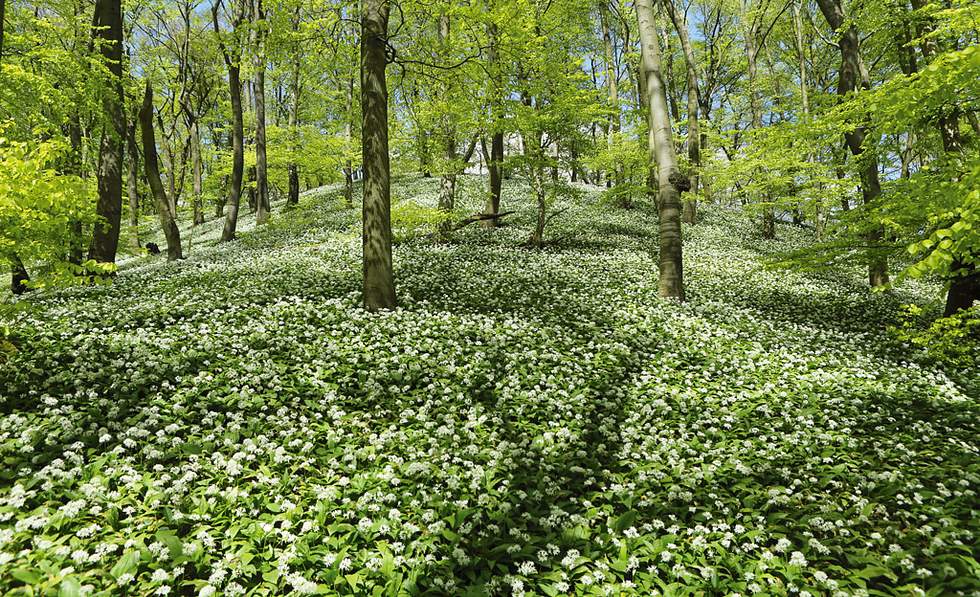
(105, 237)
(261, 160)
(379, 285)
(851, 74)
(197, 167)
(447, 186)
(76, 241)
(495, 164)
(693, 103)
(755, 106)
(292, 168)
(349, 138)
(612, 84)
(133, 184)
(804, 100)
(167, 221)
(237, 133)
(3, 10)
(661, 139)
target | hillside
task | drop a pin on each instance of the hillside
(527, 421)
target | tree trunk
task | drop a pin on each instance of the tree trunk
(133, 184)
(852, 73)
(349, 138)
(261, 160)
(612, 83)
(164, 207)
(755, 106)
(447, 186)
(292, 199)
(379, 285)
(197, 166)
(495, 164)
(661, 140)
(105, 237)
(237, 133)
(693, 103)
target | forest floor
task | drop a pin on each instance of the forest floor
(527, 421)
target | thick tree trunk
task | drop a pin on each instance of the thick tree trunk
(661, 140)
(261, 159)
(379, 285)
(150, 164)
(851, 74)
(133, 184)
(105, 237)
(693, 106)
(964, 288)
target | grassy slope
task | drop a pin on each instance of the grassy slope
(529, 420)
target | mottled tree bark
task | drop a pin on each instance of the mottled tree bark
(671, 284)
(105, 237)
(152, 168)
(197, 170)
(292, 199)
(379, 285)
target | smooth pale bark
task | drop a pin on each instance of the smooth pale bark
(152, 169)
(261, 157)
(693, 105)
(852, 73)
(108, 32)
(671, 283)
(379, 285)
(804, 96)
(133, 183)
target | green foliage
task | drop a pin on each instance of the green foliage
(953, 341)
(38, 205)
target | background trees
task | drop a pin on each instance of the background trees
(872, 145)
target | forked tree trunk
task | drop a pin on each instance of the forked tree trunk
(105, 237)
(379, 285)
(671, 284)
(150, 163)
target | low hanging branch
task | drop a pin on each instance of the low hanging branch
(480, 218)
